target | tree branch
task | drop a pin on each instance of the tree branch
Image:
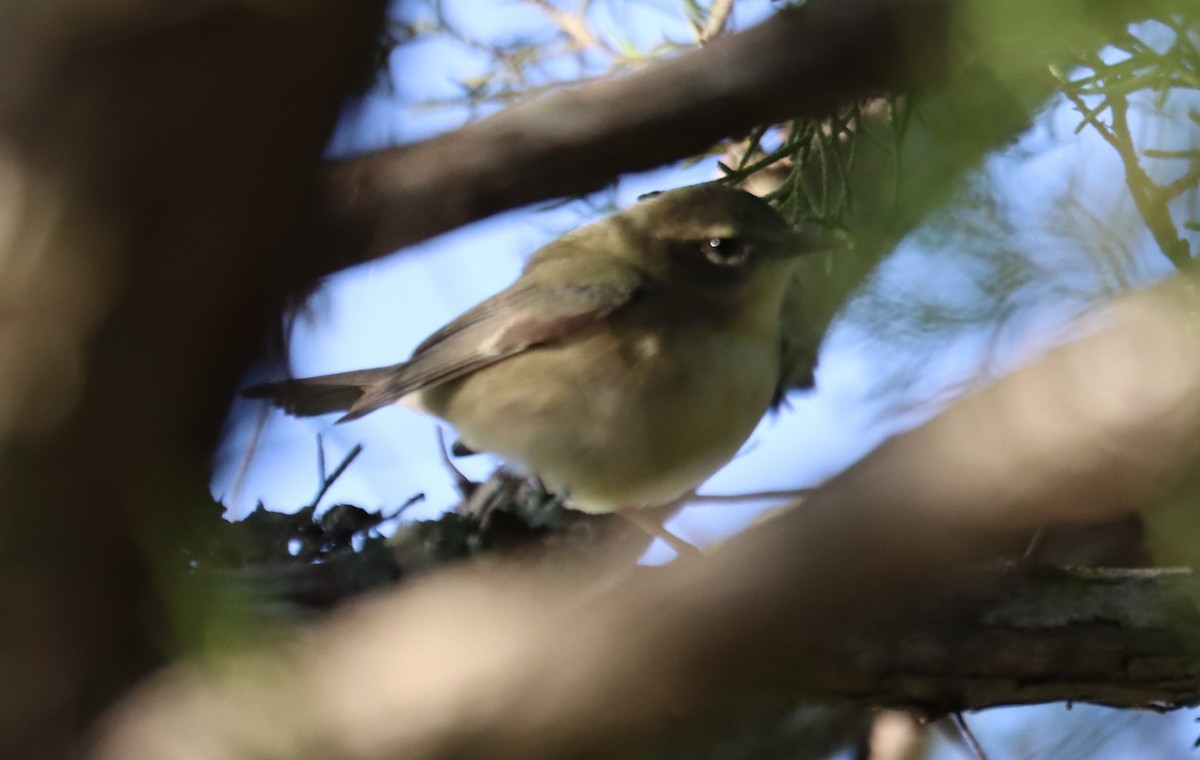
(1149, 199)
(803, 62)
(718, 17)
(142, 207)
(1116, 637)
(1009, 635)
(578, 661)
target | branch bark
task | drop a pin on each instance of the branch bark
(1008, 635)
(579, 663)
(1111, 637)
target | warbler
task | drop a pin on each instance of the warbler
(630, 360)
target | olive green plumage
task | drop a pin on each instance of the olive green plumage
(631, 359)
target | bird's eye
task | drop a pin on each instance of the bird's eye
(726, 252)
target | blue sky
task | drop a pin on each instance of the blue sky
(1053, 183)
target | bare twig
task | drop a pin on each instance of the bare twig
(465, 485)
(1148, 198)
(1148, 70)
(327, 482)
(574, 25)
(718, 19)
(247, 458)
(791, 494)
(968, 736)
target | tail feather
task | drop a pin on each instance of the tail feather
(313, 396)
(376, 396)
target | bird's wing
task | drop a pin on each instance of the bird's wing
(526, 315)
(539, 308)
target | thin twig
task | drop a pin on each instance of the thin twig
(239, 481)
(737, 498)
(1188, 154)
(652, 528)
(320, 459)
(968, 737)
(1149, 199)
(573, 25)
(327, 483)
(1169, 191)
(718, 20)
(737, 175)
(462, 483)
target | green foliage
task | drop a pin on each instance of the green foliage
(1132, 68)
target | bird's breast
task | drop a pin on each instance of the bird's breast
(618, 416)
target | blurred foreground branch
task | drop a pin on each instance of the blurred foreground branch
(145, 193)
(1013, 635)
(587, 662)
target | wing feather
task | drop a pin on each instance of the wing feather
(555, 296)
(313, 396)
(526, 315)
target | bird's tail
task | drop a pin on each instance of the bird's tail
(325, 394)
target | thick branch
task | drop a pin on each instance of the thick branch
(803, 62)
(145, 191)
(577, 662)
(1118, 638)
(1012, 635)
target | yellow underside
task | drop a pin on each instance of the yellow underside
(618, 417)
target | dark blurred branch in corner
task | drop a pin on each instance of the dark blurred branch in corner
(145, 194)
(802, 62)
(604, 661)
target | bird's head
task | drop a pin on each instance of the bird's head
(713, 239)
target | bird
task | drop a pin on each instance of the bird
(630, 360)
